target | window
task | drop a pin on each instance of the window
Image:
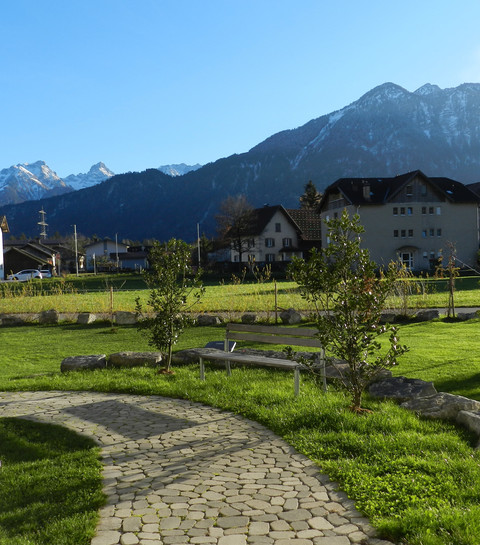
(409, 190)
(287, 242)
(403, 233)
(251, 243)
(439, 232)
(269, 258)
(395, 233)
(432, 232)
(407, 259)
(409, 210)
(402, 211)
(424, 210)
(424, 233)
(423, 190)
(430, 210)
(269, 242)
(439, 210)
(425, 255)
(278, 228)
(395, 211)
(410, 233)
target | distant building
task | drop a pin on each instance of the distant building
(40, 254)
(103, 254)
(409, 218)
(276, 235)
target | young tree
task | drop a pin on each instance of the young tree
(451, 270)
(311, 198)
(349, 296)
(171, 281)
(234, 223)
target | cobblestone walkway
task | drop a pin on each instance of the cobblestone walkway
(180, 472)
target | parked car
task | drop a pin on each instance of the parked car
(46, 273)
(26, 274)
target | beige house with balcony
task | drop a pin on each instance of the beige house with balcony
(410, 218)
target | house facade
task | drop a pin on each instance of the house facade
(103, 252)
(411, 218)
(3, 229)
(274, 237)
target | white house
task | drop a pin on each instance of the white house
(273, 237)
(103, 252)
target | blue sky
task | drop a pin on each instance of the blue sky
(142, 83)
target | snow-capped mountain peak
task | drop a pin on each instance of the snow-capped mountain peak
(29, 181)
(428, 89)
(179, 169)
(98, 173)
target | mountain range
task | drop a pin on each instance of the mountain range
(34, 181)
(387, 131)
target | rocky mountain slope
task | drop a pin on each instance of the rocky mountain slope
(387, 131)
(25, 182)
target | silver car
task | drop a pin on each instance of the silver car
(26, 274)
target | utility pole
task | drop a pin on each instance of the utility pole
(43, 224)
(76, 248)
(116, 247)
(198, 243)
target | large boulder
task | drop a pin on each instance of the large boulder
(290, 317)
(441, 406)
(189, 355)
(208, 320)
(125, 318)
(86, 318)
(48, 317)
(401, 388)
(249, 318)
(79, 363)
(464, 316)
(11, 320)
(427, 315)
(471, 420)
(134, 359)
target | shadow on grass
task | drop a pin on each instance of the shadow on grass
(43, 468)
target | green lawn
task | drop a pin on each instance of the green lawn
(50, 485)
(94, 294)
(417, 481)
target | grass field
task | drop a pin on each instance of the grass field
(96, 293)
(50, 481)
(417, 481)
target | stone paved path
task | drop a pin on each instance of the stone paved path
(179, 472)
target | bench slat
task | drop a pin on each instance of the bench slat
(273, 330)
(248, 359)
(254, 337)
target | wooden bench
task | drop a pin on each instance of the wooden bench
(299, 337)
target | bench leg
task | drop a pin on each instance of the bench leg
(228, 368)
(296, 380)
(202, 369)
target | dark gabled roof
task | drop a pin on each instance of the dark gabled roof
(28, 252)
(262, 216)
(29, 248)
(308, 221)
(372, 191)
